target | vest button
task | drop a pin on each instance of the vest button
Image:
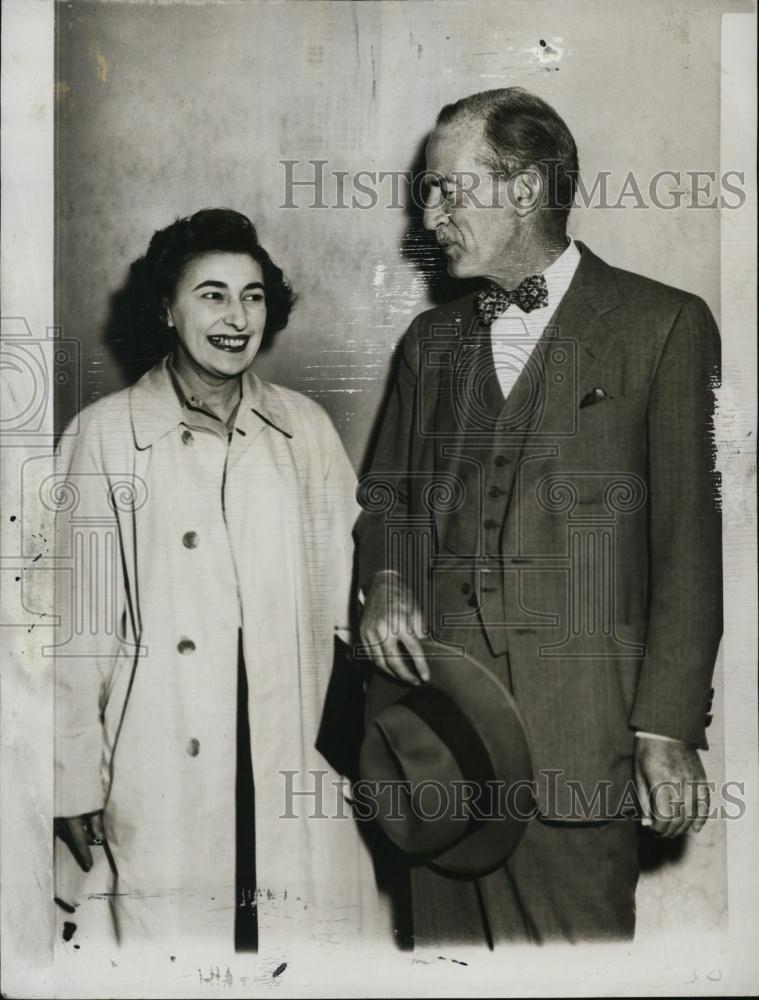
(490, 524)
(500, 461)
(466, 588)
(186, 646)
(193, 747)
(190, 540)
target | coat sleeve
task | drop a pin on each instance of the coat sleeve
(685, 534)
(340, 489)
(88, 595)
(385, 486)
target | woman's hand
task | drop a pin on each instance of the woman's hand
(78, 833)
(392, 627)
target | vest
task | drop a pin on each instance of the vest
(486, 461)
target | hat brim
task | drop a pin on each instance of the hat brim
(491, 709)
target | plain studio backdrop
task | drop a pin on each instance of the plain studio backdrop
(163, 109)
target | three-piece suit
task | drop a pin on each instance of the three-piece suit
(569, 536)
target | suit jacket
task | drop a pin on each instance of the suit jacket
(609, 550)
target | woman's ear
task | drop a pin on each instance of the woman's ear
(167, 317)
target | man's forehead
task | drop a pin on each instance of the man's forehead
(455, 146)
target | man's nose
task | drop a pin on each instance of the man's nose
(236, 316)
(434, 213)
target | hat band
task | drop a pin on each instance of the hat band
(454, 730)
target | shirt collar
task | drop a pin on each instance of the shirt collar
(558, 277)
(559, 274)
(156, 408)
(189, 391)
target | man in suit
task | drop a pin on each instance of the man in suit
(543, 496)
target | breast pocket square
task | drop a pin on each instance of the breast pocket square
(597, 395)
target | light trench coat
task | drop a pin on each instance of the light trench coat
(194, 539)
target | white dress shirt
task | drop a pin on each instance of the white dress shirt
(514, 334)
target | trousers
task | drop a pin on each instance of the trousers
(566, 881)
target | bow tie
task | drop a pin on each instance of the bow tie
(492, 301)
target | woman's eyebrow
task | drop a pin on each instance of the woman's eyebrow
(213, 284)
(223, 284)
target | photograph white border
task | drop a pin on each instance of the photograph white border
(718, 964)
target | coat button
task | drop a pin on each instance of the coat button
(500, 461)
(187, 437)
(490, 524)
(186, 646)
(466, 588)
(190, 540)
(193, 747)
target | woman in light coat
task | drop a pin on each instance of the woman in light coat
(221, 508)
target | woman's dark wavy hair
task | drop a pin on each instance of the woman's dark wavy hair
(213, 230)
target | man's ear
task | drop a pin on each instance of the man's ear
(527, 190)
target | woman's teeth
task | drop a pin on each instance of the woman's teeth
(229, 343)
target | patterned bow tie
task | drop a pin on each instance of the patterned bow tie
(493, 301)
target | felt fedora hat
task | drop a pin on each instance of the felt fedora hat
(445, 766)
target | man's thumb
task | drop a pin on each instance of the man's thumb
(644, 795)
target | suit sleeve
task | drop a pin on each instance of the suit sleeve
(685, 534)
(384, 489)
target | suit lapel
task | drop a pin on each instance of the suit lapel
(459, 414)
(543, 405)
(550, 388)
(591, 295)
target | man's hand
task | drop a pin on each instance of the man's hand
(78, 833)
(671, 785)
(391, 629)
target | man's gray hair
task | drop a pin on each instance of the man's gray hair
(521, 131)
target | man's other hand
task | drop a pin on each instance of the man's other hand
(392, 627)
(78, 833)
(671, 785)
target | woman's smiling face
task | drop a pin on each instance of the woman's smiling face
(219, 312)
